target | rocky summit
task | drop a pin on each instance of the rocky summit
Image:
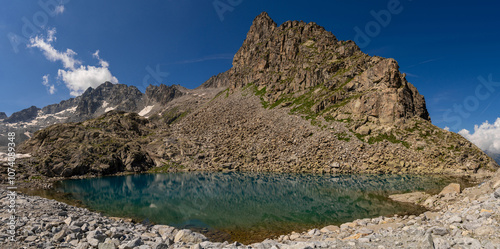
(296, 100)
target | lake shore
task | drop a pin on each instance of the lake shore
(469, 219)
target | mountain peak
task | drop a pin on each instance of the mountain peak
(263, 19)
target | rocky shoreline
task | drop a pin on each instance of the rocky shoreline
(470, 219)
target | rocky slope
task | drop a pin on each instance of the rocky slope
(296, 100)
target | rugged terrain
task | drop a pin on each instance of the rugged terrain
(296, 100)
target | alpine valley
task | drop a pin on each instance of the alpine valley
(296, 100)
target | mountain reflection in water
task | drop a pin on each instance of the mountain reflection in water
(241, 202)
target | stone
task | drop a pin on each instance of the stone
(314, 232)
(497, 193)
(453, 188)
(106, 246)
(427, 242)
(365, 231)
(431, 215)
(197, 246)
(455, 219)
(82, 245)
(74, 229)
(440, 243)
(469, 243)
(439, 231)
(159, 246)
(30, 238)
(484, 230)
(133, 243)
(68, 221)
(329, 229)
(189, 237)
(59, 236)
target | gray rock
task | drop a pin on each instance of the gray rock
(106, 246)
(159, 246)
(439, 231)
(134, 243)
(427, 242)
(484, 231)
(58, 237)
(82, 245)
(93, 242)
(74, 229)
(314, 232)
(469, 243)
(30, 238)
(455, 219)
(497, 193)
(440, 243)
(189, 237)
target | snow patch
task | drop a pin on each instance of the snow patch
(105, 104)
(109, 109)
(27, 134)
(73, 109)
(146, 110)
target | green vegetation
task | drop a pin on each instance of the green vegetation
(343, 136)
(165, 168)
(381, 137)
(222, 92)
(391, 138)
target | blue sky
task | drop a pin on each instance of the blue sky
(449, 51)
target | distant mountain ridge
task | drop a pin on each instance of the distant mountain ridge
(91, 104)
(296, 100)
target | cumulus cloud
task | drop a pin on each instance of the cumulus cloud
(486, 137)
(76, 77)
(45, 81)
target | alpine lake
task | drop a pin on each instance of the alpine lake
(245, 207)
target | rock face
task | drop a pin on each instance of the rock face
(106, 145)
(163, 94)
(26, 114)
(296, 100)
(3, 115)
(306, 67)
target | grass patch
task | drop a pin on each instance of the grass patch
(166, 167)
(343, 137)
(391, 138)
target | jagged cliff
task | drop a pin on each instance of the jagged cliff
(305, 67)
(296, 100)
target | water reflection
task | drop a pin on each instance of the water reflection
(246, 201)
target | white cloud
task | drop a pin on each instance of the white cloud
(75, 76)
(78, 80)
(45, 81)
(44, 44)
(59, 9)
(486, 137)
(446, 128)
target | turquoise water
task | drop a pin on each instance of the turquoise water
(247, 206)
